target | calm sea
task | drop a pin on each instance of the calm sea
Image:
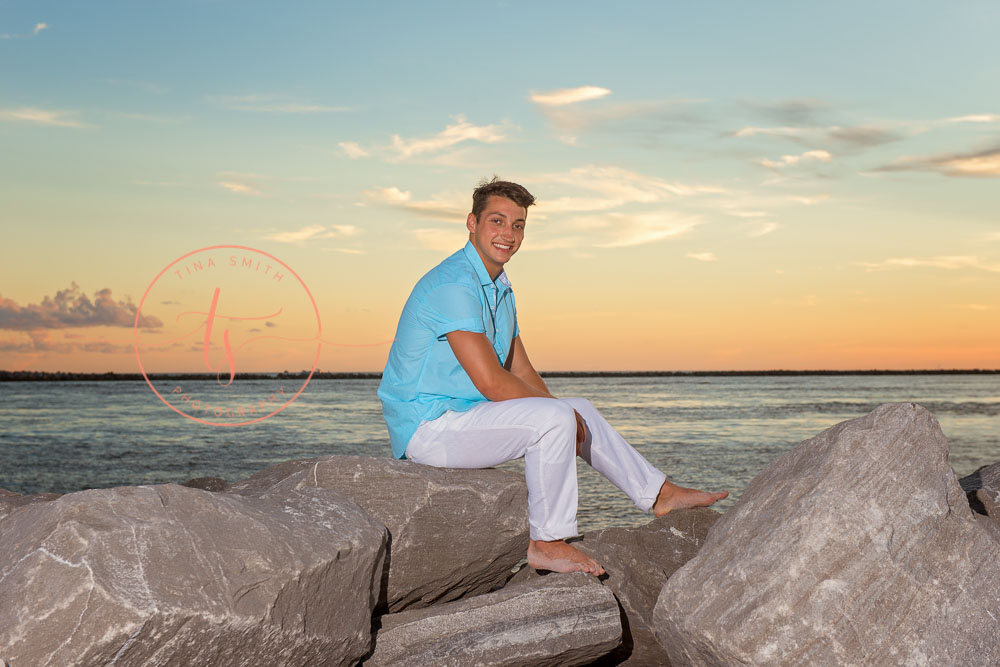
(710, 432)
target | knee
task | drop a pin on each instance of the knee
(557, 415)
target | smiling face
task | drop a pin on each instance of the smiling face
(497, 233)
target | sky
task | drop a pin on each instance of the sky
(724, 185)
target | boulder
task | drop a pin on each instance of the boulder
(10, 501)
(638, 562)
(983, 490)
(856, 547)
(453, 533)
(207, 484)
(559, 619)
(168, 575)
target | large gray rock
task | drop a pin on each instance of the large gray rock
(453, 533)
(855, 548)
(559, 619)
(10, 501)
(638, 562)
(983, 490)
(167, 575)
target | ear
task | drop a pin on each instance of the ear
(470, 223)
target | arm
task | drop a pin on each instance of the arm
(479, 360)
(474, 352)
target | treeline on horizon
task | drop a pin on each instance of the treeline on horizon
(62, 376)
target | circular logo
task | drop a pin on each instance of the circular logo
(227, 335)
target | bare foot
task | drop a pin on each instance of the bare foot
(673, 497)
(558, 556)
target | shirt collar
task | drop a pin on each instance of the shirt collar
(502, 281)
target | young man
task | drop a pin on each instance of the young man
(458, 391)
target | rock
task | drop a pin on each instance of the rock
(982, 488)
(453, 533)
(10, 501)
(638, 562)
(856, 547)
(214, 484)
(167, 575)
(559, 619)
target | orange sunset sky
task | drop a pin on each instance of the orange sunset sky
(732, 186)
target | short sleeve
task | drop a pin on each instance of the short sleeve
(453, 307)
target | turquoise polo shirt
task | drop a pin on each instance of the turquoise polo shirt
(422, 378)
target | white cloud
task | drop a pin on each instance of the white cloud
(638, 229)
(766, 228)
(975, 118)
(313, 232)
(446, 206)
(789, 160)
(564, 96)
(617, 186)
(459, 131)
(239, 188)
(40, 27)
(352, 150)
(40, 117)
(702, 256)
(951, 262)
(809, 201)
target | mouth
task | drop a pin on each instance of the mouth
(502, 246)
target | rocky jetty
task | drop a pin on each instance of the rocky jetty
(858, 547)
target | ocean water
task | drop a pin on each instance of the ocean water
(710, 432)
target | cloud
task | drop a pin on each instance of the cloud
(766, 228)
(702, 256)
(951, 263)
(645, 118)
(37, 29)
(807, 112)
(564, 96)
(975, 118)
(860, 136)
(447, 206)
(459, 131)
(808, 201)
(352, 150)
(239, 188)
(616, 187)
(40, 117)
(790, 160)
(271, 104)
(638, 229)
(313, 233)
(72, 308)
(983, 164)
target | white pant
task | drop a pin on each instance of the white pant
(543, 431)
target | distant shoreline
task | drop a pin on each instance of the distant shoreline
(42, 376)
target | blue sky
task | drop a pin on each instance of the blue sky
(703, 169)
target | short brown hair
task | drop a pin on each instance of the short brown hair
(512, 191)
